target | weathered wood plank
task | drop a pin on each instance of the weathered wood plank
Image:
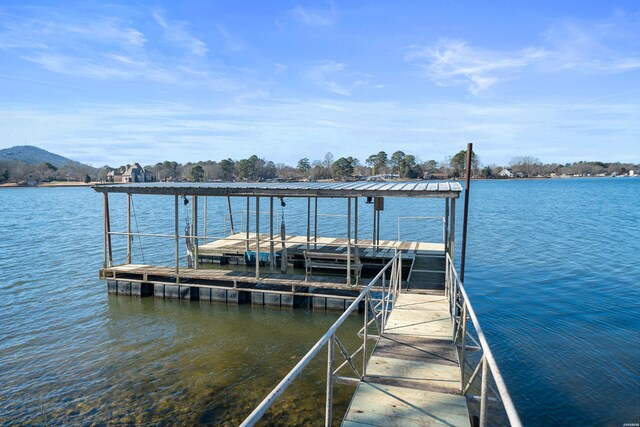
(386, 405)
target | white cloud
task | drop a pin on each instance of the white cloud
(336, 77)
(176, 32)
(454, 62)
(609, 46)
(314, 17)
(104, 48)
(289, 129)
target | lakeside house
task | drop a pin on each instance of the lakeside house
(133, 173)
(505, 173)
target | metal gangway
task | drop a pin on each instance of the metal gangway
(480, 383)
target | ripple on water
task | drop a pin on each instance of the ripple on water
(551, 272)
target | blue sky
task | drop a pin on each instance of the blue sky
(118, 82)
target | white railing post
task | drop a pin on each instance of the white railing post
(329, 397)
(366, 335)
(463, 341)
(483, 393)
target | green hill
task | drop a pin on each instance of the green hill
(33, 156)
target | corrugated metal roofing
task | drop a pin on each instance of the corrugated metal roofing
(291, 189)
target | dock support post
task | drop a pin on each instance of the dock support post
(308, 221)
(247, 228)
(373, 238)
(205, 220)
(329, 399)
(355, 228)
(177, 236)
(233, 231)
(378, 229)
(194, 231)
(257, 237)
(128, 228)
(315, 225)
(348, 240)
(466, 212)
(104, 227)
(271, 252)
(452, 231)
(107, 225)
(446, 226)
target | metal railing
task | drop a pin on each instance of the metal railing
(376, 311)
(440, 218)
(483, 366)
(241, 227)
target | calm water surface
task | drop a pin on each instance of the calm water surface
(552, 271)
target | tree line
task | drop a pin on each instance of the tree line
(17, 171)
(397, 165)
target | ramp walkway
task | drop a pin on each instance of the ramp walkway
(413, 375)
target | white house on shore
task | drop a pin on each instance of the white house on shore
(134, 173)
(505, 173)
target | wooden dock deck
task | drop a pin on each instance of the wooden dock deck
(236, 245)
(413, 375)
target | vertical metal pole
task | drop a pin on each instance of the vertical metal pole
(366, 335)
(329, 398)
(177, 236)
(104, 226)
(315, 226)
(129, 228)
(247, 232)
(463, 342)
(233, 231)
(399, 275)
(194, 232)
(108, 226)
(446, 225)
(373, 238)
(271, 251)
(483, 393)
(378, 230)
(452, 234)
(308, 221)
(348, 240)
(466, 212)
(257, 237)
(205, 219)
(355, 228)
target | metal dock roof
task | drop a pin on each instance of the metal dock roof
(292, 189)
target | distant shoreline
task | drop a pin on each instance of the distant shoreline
(90, 184)
(49, 184)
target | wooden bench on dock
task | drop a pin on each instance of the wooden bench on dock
(336, 261)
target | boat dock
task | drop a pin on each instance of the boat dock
(423, 359)
(269, 268)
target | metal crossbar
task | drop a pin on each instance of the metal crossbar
(390, 291)
(462, 311)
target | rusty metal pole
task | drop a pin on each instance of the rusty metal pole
(466, 212)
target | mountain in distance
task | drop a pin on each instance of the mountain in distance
(33, 155)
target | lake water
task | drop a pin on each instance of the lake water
(552, 271)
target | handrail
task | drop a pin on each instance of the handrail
(328, 338)
(460, 300)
